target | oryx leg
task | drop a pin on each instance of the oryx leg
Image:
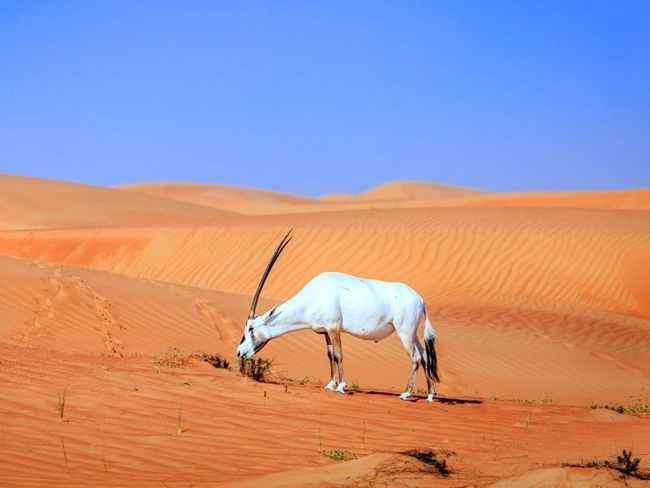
(414, 350)
(335, 340)
(423, 362)
(330, 354)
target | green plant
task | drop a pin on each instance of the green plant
(639, 403)
(523, 400)
(338, 455)
(547, 400)
(354, 385)
(301, 381)
(60, 406)
(256, 369)
(421, 391)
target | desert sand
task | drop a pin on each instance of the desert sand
(108, 297)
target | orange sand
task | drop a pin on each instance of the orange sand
(541, 303)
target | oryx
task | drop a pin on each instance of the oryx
(332, 303)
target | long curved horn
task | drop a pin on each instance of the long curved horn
(276, 254)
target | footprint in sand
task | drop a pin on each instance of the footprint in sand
(60, 285)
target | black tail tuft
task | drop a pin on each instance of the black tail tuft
(432, 358)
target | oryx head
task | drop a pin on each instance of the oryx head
(256, 331)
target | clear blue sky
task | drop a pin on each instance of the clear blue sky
(332, 96)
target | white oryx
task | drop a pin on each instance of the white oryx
(332, 303)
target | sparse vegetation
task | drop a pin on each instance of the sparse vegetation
(639, 403)
(354, 385)
(609, 406)
(623, 463)
(216, 360)
(409, 468)
(523, 400)
(544, 400)
(429, 457)
(256, 369)
(301, 381)
(179, 424)
(421, 391)
(173, 358)
(338, 455)
(335, 454)
(60, 406)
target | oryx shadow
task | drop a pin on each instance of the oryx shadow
(418, 398)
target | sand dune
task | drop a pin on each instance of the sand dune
(231, 198)
(32, 203)
(407, 191)
(638, 199)
(404, 194)
(106, 294)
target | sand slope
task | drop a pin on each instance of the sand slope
(32, 203)
(539, 312)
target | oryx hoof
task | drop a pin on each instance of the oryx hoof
(331, 385)
(404, 395)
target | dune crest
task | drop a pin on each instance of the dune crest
(407, 190)
(33, 203)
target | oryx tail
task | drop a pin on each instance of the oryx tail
(430, 348)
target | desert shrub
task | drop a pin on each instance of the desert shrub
(429, 457)
(623, 463)
(256, 369)
(216, 360)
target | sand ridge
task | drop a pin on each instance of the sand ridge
(34, 203)
(539, 311)
(400, 194)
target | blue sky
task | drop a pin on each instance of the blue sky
(331, 96)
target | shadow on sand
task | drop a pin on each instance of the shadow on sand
(418, 398)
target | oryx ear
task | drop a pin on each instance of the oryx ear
(269, 315)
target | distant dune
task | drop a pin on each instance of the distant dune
(401, 194)
(541, 304)
(408, 190)
(32, 203)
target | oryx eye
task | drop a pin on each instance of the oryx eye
(250, 328)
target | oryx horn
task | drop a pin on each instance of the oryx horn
(276, 254)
